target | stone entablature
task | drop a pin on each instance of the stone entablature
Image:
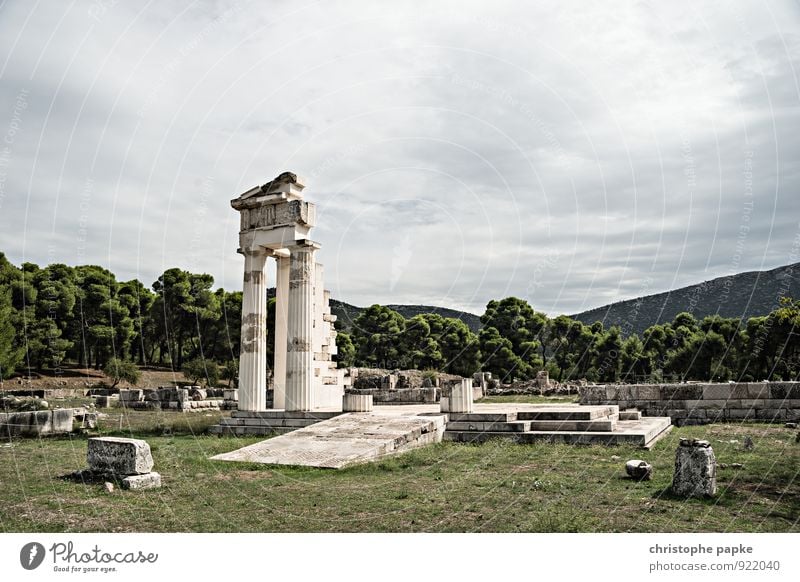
(702, 403)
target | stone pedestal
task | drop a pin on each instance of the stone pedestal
(300, 355)
(461, 397)
(357, 403)
(695, 469)
(253, 359)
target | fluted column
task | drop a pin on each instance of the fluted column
(281, 323)
(300, 357)
(253, 358)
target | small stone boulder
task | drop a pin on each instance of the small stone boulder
(150, 480)
(119, 456)
(639, 470)
(695, 469)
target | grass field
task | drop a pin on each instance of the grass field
(496, 487)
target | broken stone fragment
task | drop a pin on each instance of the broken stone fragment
(147, 481)
(639, 470)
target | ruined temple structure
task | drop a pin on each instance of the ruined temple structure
(276, 223)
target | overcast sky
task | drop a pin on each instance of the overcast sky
(457, 152)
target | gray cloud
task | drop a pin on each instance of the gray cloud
(458, 153)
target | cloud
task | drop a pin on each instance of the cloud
(457, 152)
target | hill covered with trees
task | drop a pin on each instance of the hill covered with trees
(56, 315)
(739, 296)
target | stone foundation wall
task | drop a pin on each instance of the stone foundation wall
(403, 395)
(703, 403)
(37, 423)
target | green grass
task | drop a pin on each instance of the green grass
(496, 487)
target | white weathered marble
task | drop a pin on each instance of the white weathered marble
(300, 356)
(357, 403)
(150, 480)
(276, 222)
(253, 357)
(461, 396)
(281, 327)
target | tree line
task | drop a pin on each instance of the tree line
(516, 342)
(57, 315)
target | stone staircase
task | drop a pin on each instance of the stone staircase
(588, 425)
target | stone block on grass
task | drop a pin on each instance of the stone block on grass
(150, 480)
(119, 456)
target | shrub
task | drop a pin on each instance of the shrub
(119, 370)
(201, 369)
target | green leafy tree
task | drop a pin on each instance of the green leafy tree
(635, 362)
(499, 357)
(230, 372)
(515, 320)
(608, 347)
(459, 346)
(419, 347)
(198, 369)
(10, 352)
(119, 370)
(377, 335)
(345, 350)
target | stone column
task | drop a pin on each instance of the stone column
(281, 323)
(300, 357)
(253, 358)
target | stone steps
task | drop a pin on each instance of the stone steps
(643, 433)
(268, 422)
(568, 413)
(347, 439)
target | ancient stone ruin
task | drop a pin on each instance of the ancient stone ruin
(276, 223)
(695, 469)
(128, 461)
(384, 412)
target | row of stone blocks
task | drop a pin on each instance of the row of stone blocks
(36, 423)
(704, 403)
(703, 410)
(174, 405)
(693, 391)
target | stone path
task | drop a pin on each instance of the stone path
(350, 438)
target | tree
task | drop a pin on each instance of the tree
(10, 352)
(608, 346)
(419, 347)
(377, 335)
(345, 350)
(119, 370)
(201, 369)
(458, 344)
(230, 372)
(636, 364)
(499, 357)
(515, 320)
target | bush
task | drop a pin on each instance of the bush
(201, 369)
(119, 370)
(230, 372)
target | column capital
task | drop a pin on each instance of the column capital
(255, 251)
(303, 244)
